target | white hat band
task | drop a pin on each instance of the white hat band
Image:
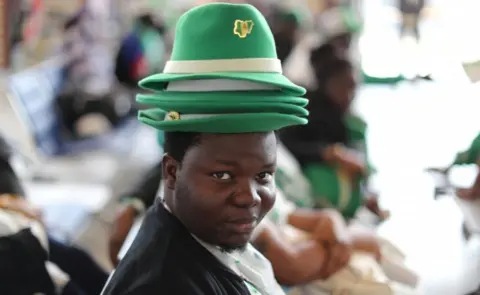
(248, 65)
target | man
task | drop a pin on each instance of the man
(219, 99)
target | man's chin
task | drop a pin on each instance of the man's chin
(235, 243)
(236, 248)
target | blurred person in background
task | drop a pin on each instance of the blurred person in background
(470, 156)
(332, 148)
(411, 11)
(90, 103)
(32, 262)
(285, 26)
(142, 51)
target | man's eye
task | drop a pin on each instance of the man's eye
(265, 176)
(222, 175)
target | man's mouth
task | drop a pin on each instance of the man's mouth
(243, 226)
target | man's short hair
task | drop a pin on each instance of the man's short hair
(177, 143)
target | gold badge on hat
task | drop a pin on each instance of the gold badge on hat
(173, 116)
(242, 28)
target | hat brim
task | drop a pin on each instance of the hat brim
(232, 107)
(158, 82)
(227, 123)
(222, 97)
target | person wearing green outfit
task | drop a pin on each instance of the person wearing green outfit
(470, 156)
(219, 100)
(332, 148)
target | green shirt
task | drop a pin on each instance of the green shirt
(331, 185)
(471, 155)
(290, 180)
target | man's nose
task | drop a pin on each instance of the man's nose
(247, 194)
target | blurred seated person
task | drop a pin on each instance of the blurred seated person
(332, 148)
(142, 51)
(471, 156)
(32, 262)
(285, 26)
(89, 102)
(313, 252)
(411, 11)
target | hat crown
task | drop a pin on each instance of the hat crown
(223, 31)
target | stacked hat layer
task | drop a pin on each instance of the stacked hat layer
(223, 76)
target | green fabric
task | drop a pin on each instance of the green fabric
(226, 101)
(351, 20)
(224, 123)
(161, 138)
(471, 155)
(290, 180)
(367, 79)
(198, 35)
(154, 48)
(326, 180)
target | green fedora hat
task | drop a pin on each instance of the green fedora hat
(223, 41)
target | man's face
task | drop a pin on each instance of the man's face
(224, 186)
(341, 88)
(342, 44)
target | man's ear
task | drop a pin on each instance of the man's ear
(170, 166)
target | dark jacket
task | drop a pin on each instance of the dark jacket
(166, 259)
